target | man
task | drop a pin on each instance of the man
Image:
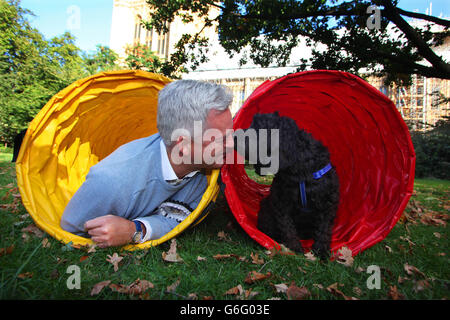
(142, 190)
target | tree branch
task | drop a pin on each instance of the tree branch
(409, 66)
(442, 22)
(425, 51)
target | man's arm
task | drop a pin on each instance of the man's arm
(191, 194)
(110, 230)
(93, 211)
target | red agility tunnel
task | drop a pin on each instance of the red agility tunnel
(369, 143)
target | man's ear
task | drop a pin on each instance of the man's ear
(180, 150)
(185, 145)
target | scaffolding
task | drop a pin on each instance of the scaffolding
(421, 104)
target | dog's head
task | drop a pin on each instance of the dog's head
(270, 143)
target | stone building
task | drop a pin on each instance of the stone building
(419, 104)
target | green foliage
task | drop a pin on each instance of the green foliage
(433, 150)
(103, 59)
(33, 69)
(336, 31)
(142, 58)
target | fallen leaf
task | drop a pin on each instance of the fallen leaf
(98, 287)
(360, 270)
(83, 258)
(310, 256)
(173, 287)
(61, 261)
(228, 256)
(394, 294)
(301, 269)
(401, 279)
(281, 287)
(256, 259)
(250, 294)
(411, 212)
(45, 243)
(201, 258)
(241, 293)
(8, 250)
(437, 235)
(410, 270)
(407, 239)
(333, 289)
(25, 237)
(25, 275)
(254, 276)
(192, 296)
(357, 291)
(283, 251)
(318, 285)
(92, 248)
(421, 285)
(33, 230)
(297, 293)
(172, 255)
(223, 236)
(114, 260)
(135, 288)
(431, 218)
(345, 257)
(235, 290)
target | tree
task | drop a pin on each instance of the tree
(270, 29)
(33, 69)
(141, 57)
(21, 62)
(103, 59)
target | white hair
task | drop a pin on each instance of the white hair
(182, 102)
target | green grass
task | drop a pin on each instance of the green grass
(32, 271)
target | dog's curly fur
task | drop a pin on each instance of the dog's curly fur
(281, 215)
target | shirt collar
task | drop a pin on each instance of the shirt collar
(167, 170)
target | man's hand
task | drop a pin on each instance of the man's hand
(110, 230)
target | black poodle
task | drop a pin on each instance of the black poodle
(304, 195)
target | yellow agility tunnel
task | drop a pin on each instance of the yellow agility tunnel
(78, 127)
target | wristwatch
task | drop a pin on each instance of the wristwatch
(137, 236)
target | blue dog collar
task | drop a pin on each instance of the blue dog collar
(316, 175)
(321, 172)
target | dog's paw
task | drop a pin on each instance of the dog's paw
(295, 246)
(323, 252)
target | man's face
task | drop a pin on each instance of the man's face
(217, 139)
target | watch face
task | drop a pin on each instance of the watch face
(137, 236)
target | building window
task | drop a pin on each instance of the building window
(163, 43)
(149, 38)
(420, 90)
(137, 33)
